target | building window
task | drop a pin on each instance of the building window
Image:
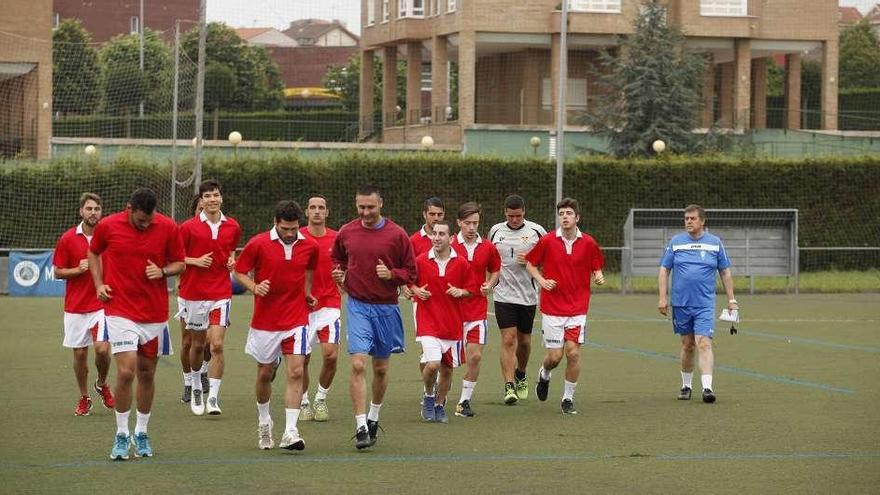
(386, 11)
(371, 12)
(724, 7)
(135, 23)
(575, 94)
(610, 6)
(451, 5)
(56, 19)
(412, 8)
(426, 76)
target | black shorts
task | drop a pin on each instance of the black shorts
(515, 315)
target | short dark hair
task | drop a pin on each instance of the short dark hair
(368, 189)
(514, 202)
(288, 210)
(313, 196)
(467, 209)
(143, 199)
(697, 208)
(86, 196)
(435, 202)
(194, 204)
(569, 203)
(209, 185)
(447, 222)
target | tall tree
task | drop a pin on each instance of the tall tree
(124, 85)
(75, 69)
(651, 87)
(859, 57)
(345, 81)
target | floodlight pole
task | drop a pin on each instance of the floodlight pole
(141, 25)
(200, 94)
(174, 116)
(560, 103)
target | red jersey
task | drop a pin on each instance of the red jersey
(285, 267)
(323, 286)
(421, 242)
(358, 249)
(79, 293)
(570, 266)
(483, 258)
(441, 314)
(199, 238)
(124, 252)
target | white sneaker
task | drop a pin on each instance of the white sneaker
(197, 404)
(264, 436)
(306, 413)
(213, 407)
(292, 441)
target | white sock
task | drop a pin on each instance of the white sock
(195, 380)
(544, 374)
(322, 392)
(360, 420)
(373, 415)
(707, 381)
(467, 390)
(142, 420)
(687, 379)
(263, 410)
(305, 399)
(568, 393)
(215, 387)
(187, 379)
(292, 418)
(204, 368)
(122, 422)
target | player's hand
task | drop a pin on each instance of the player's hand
(382, 271)
(311, 301)
(104, 292)
(153, 272)
(454, 291)
(599, 277)
(521, 258)
(485, 289)
(83, 265)
(407, 292)
(338, 275)
(230, 262)
(262, 289)
(732, 306)
(421, 292)
(663, 306)
(548, 284)
(204, 261)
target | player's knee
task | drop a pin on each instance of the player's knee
(553, 358)
(688, 346)
(380, 370)
(264, 373)
(475, 358)
(358, 367)
(124, 375)
(573, 355)
(704, 345)
(295, 373)
(216, 348)
(508, 340)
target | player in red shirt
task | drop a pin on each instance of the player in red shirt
(444, 277)
(282, 261)
(324, 315)
(209, 239)
(130, 255)
(568, 259)
(484, 259)
(83, 312)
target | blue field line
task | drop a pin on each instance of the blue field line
(729, 369)
(812, 342)
(455, 458)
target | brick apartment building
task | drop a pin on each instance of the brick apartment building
(108, 18)
(25, 78)
(506, 54)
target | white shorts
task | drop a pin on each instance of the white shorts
(81, 329)
(149, 339)
(199, 315)
(557, 329)
(266, 346)
(324, 326)
(475, 332)
(449, 352)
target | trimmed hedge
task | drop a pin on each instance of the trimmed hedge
(838, 199)
(859, 110)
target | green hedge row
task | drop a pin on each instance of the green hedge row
(858, 110)
(838, 200)
(256, 126)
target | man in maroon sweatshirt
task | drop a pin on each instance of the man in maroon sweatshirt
(372, 257)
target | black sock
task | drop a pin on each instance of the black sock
(519, 375)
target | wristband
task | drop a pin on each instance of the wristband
(164, 272)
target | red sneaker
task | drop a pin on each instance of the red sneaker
(83, 406)
(106, 395)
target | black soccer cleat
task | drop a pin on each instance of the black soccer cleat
(463, 409)
(684, 393)
(708, 396)
(187, 394)
(542, 388)
(362, 438)
(568, 407)
(373, 431)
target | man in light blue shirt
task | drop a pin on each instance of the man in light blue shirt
(693, 257)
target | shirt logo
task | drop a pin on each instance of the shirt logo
(702, 255)
(525, 239)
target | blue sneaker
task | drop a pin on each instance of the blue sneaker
(428, 408)
(142, 445)
(440, 414)
(119, 452)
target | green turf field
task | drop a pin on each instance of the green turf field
(798, 411)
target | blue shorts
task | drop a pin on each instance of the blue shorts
(697, 320)
(374, 329)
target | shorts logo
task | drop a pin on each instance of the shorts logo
(554, 341)
(26, 273)
(123, 342)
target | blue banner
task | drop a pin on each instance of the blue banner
(32, 274)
